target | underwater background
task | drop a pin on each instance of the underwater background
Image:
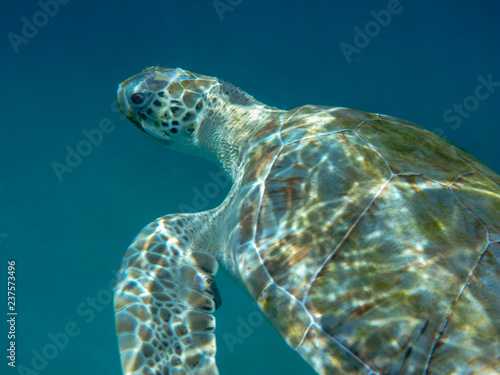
(67, 220)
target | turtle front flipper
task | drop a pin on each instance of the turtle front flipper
(164, 299)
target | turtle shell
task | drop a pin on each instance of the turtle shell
(371, 244)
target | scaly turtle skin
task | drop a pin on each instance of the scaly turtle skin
(372, 245)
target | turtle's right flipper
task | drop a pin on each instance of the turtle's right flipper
(164, 300)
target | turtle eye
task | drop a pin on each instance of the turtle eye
(138, 98)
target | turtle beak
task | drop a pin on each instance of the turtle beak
(122, 101)
(139, 83)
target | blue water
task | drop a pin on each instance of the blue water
(68, 233)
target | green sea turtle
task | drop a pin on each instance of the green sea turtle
(371, 244)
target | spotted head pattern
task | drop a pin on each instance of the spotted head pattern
(166, 104)
(192, 113)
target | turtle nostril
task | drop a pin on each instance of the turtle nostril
(138, 98)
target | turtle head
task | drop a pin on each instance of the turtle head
(166, 104)
(192, 113)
